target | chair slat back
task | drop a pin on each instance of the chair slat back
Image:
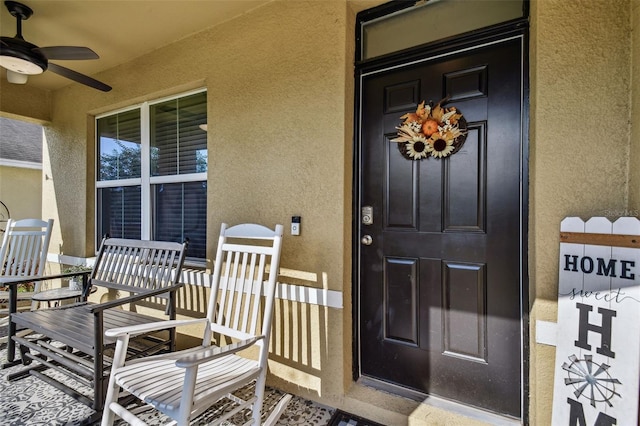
(24, 248)
(246, 268)
(136, 266)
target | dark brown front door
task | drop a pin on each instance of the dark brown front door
(440, 282)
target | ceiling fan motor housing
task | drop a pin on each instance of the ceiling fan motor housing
(18, 56)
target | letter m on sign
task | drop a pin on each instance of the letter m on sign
(597, 368)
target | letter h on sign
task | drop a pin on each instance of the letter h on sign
(584, 326)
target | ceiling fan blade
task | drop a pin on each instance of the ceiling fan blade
(67, 52)
(80, 78)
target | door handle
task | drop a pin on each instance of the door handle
(366, 240)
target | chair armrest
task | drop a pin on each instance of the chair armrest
(149, 327)
(134, 298)
(212, 352)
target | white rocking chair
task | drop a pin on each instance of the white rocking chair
(184, 384)
(23, 254)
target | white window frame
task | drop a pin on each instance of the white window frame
(145, 180)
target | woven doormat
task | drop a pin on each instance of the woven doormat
(340, 418)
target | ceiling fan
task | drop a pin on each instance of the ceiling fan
(21, 58)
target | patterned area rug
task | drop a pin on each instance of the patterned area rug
(30, 401)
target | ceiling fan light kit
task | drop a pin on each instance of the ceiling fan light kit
(21, 58)
(16, 77)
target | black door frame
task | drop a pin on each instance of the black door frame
(496, 33)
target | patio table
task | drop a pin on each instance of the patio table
(57, 295)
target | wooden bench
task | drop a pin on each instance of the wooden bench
(71, 339)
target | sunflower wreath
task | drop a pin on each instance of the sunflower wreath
(431, 131)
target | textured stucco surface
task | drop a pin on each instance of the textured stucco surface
(580, 85)
(634, 156)
(280, 99)
(24, 101)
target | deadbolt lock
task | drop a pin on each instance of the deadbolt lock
(367, 215)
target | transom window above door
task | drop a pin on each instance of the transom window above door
(396, 26)
(152, 172)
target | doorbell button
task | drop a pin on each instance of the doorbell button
(295, 225)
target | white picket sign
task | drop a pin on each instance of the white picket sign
(597, 370)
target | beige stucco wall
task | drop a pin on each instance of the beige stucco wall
(280, 85)
(20, 191)
(634, 166)
(24, 101)
(280, 98)
(579, 147)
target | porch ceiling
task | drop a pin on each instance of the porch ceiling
(119, 31)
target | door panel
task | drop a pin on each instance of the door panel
(464, 310)
(440, 289)
(464, 211)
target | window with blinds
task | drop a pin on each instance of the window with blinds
(119, 145)
(180, 212)
(119, 209)
(177, 143)
(152, 172)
